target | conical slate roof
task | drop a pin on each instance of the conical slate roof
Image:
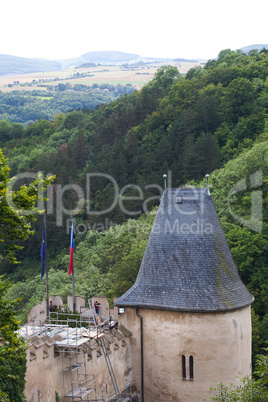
(187, 265)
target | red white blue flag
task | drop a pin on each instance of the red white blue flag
(71, 265)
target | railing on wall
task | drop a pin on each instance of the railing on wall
(76, 330)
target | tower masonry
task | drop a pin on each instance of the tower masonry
(188, 311)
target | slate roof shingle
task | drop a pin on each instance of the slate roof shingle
(187, 265)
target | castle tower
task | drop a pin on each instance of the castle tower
(189, 312)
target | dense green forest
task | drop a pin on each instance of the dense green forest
(29, 106)
(213, 120)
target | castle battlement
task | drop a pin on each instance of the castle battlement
(69, 356)
(46, 347)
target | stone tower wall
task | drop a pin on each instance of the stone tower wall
(220, 344)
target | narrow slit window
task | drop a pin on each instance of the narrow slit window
(183, 360)
(191, 365)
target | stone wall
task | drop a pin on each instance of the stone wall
(38, 312)
(219, 343)
(47, 367)
(79, 303)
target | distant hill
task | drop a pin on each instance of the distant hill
(118, 58)
(110, 57)
(100, 57)
(13, 65)
(247, 49)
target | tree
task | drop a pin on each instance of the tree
(165, 77)
(14, 228)
(223, 53)
(208, 152)
(189, 159)
(15, 222)
(238, 100)
(12, 352)
(207, 108)
(4, 131)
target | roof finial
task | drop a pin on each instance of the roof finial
(165, 182)
(208, 192)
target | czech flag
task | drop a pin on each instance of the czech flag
(71, 265)
(43, 250)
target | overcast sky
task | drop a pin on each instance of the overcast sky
(58, 29)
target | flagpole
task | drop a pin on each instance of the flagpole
(74, 306)
(46, 265)
(43, 254)
(71, 265)
(73, 293)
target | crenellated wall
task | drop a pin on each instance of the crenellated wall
(38, 312)
(47, 366)
(79, 303)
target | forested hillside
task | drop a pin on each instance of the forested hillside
(214, 121)
(29, 106)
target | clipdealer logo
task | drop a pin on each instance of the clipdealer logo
(56, 194)
(255, 220)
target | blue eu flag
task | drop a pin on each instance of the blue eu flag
(43, 250)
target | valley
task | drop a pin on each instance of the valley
(136, 74)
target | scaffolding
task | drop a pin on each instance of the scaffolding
(77, 384)
(75, 333)
(79, 333)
